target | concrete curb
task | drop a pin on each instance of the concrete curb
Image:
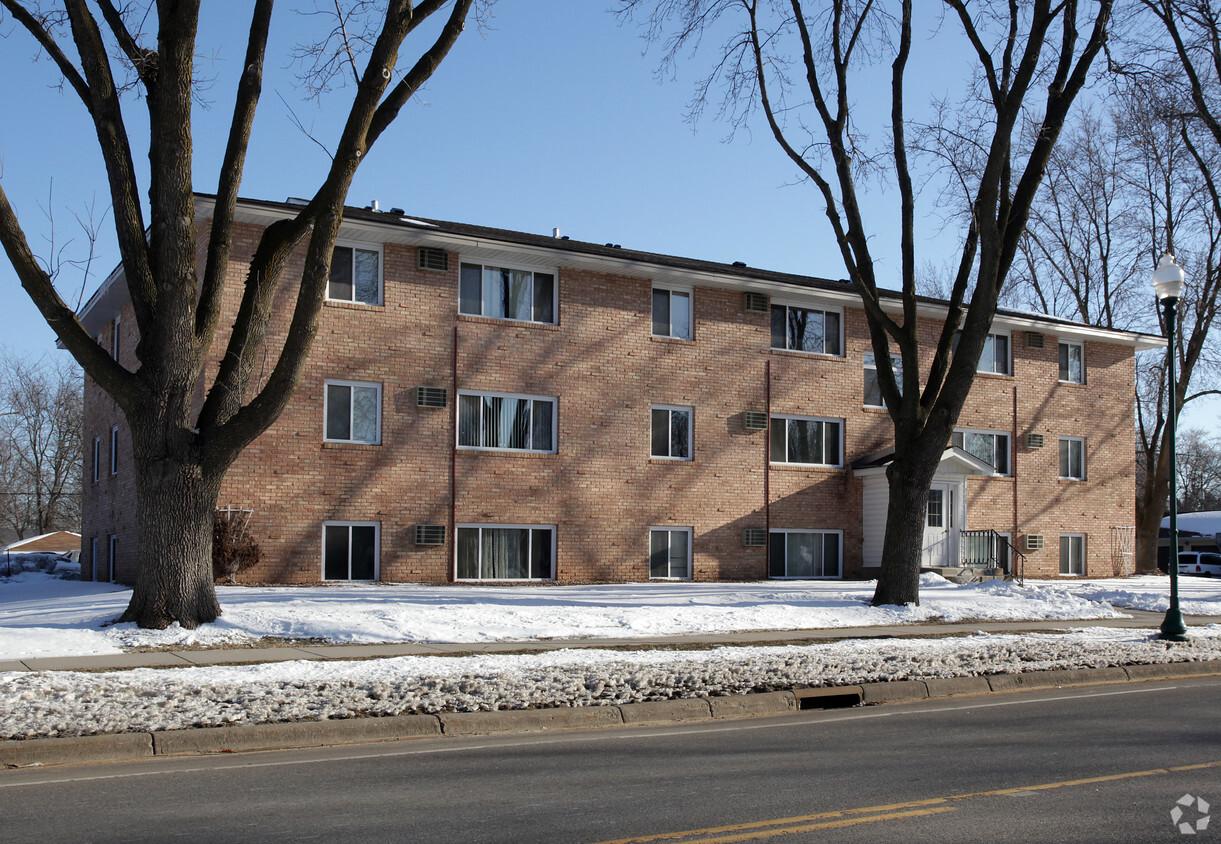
(302, 734)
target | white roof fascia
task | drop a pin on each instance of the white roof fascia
(425, 234)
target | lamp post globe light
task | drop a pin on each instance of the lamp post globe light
(1168, 282)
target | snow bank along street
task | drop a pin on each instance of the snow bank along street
(74, 703)
(44, 616)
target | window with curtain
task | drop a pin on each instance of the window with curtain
(505, 421)
(506, 293)
(1072, 363)
(353, 412)
(356, 275)
(796, 439)
(1072, 458)
(804, 554)
(671, 432)
(805, 330)
(505, 552)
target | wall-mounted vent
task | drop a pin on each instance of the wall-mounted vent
(430, 396)
(433, 259)
(754, 420)
(754, 537)
(1034, 440)
(755, 303)
(430, 534)
(1034, 340)
(1034, 542)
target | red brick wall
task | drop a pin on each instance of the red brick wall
(601, 489)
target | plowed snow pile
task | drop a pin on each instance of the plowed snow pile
(71, 703)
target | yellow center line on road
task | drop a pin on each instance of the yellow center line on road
(871, 814)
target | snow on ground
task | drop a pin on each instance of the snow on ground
(1197, 595)
(41, 616)
(36, 704)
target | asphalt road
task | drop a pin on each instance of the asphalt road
(1105, 763)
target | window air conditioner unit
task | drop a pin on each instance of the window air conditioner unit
(754, 420)
(433, 259)
(1034, 542)
(754, 537)
(1034, 340)
(430, 396)
(430, 534)
(755, 303)
(1034, 440)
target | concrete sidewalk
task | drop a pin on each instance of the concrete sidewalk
(249, 656)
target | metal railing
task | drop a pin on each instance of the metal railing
(987, 549)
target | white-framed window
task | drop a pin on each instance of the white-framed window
(114, 450)
(97, 459)
(507, 293)
(672, 313)
(1072, 458)
(356, 274)
(93, 559)
(350, 550)
(992, 447)
(506, 422)
(807, 330)
(504, 552)
(352, 411)
(670, 553)
(1072, 553)
(804, 554)
(1072, 363)
(873, 392)
(806, 440)
(114, 558)
(995, 357)
(116, 345)
(671, 432)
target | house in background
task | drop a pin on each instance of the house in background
(491, 405)
(63, 542)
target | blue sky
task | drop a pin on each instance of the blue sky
(551, 117)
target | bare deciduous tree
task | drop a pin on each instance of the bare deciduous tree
(1198, 468)
(800, 65)
(181, 451)
(40, 445)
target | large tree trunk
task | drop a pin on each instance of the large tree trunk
(175, 508)
(1151, 507)
(899, 581)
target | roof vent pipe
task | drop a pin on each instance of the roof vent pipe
(375, 208)
(555, 232)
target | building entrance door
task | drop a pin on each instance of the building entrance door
(939, 527)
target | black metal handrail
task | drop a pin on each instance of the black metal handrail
(983, 549)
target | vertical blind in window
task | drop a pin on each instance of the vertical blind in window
(509, 422)
(503, 293)
(504, 553)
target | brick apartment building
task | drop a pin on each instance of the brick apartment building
(492, 405)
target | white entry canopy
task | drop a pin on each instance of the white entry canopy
(952, 471)
(954, 461)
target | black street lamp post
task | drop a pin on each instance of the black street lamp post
(1168, 281)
